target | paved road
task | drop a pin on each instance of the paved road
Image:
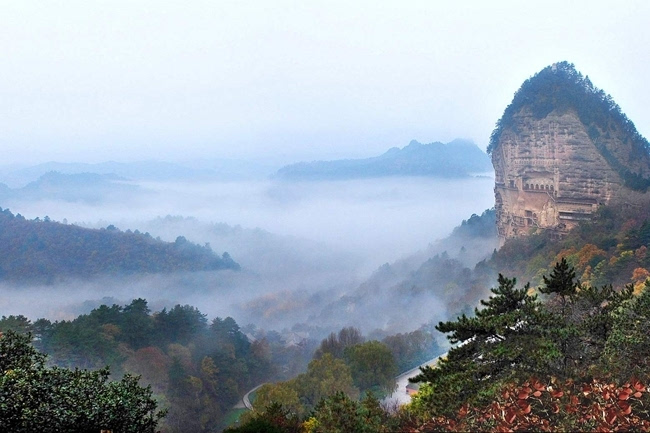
(246, 399)
(400, 396)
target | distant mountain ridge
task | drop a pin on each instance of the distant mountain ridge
(459, 158)
(80, 187)
(149, 170)
(143, 170)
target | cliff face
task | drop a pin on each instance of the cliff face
(556, 161)
(548, 175)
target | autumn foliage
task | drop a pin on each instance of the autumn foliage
(550, 405)
(562, 363)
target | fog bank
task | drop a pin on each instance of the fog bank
(303, 247)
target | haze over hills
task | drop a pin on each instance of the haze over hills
(427, 285)
(299, 290)
(141, 141)
(572, 175)
(149, 170)
(459, 158)
(82, 187)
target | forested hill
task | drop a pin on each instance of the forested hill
(458, 158)
(44, 250)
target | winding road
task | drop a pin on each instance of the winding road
(246, 399)
(400, 396)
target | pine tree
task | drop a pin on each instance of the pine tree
(503, 339)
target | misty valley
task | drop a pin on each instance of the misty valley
(301, 245)
(305, 258)
(414, 291)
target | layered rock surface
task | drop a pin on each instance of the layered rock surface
(548, 174)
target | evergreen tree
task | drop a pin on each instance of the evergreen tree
(562, 282)
(627, 350)
(502, 340)
(35, 398)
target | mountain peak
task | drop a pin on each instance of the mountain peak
(561, 149)
(558, 87)
(416, 159)
(561, 88)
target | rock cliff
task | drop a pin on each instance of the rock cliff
(562, 149)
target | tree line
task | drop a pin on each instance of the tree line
(563, 357)
(196, 370)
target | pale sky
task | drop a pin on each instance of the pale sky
(177, 80)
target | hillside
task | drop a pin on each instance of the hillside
(609, 249)
(427, 285)
(43, 250)
(458, 158)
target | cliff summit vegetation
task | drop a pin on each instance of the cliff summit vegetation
(561, 88)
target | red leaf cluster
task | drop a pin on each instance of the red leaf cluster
(552, 406)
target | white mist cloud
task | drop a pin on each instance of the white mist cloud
(302, 245)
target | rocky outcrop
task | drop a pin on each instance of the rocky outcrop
(548, 174)
(552, 168)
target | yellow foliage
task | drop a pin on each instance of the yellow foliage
(182, 353)
(310, 425)
(564, 254)
(638, 288)
(587, 253)
(627, 254)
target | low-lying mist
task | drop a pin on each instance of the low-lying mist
(306, 249)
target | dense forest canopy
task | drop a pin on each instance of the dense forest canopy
(548, 342)
(550, 353)
(197, 370)
(567, 352)
(609, 249)
(565, 357)
(38, 398)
